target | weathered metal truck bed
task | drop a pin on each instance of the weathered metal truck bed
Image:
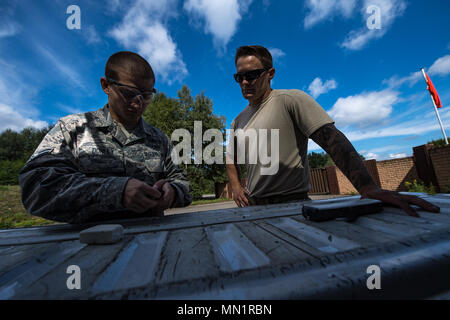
(261, 252)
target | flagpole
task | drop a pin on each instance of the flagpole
(435, 109)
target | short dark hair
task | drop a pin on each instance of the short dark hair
(258, 51)
(131, 61)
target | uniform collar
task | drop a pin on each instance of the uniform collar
(102, 119)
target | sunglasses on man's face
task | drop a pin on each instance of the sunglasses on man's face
(130, 92)
(249, 75)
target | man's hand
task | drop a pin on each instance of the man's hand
(140, 197)
(348, 160)
(240, 196)
(168, 194)
(398, 200)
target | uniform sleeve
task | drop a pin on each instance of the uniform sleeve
(54, 188)
(306, 113)
(177, 178)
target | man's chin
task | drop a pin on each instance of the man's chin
(248, 96)
(131, 118)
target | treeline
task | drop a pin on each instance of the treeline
(15, 149)
(438, 142)
(319, 160)
(322, 160)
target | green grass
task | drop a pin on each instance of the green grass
(12, 212)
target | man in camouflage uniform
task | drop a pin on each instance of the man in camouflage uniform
(109, 163)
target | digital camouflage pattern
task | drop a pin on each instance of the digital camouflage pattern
(79, 171)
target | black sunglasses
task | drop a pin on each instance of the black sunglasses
(249, 75)
(130, 94)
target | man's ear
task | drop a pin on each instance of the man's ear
(271, 73)
(105, 85)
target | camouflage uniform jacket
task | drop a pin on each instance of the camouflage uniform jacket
(79, 171)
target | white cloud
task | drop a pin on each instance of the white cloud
(397, 155)
(8, 28)
(144, 28)
(15, 93)
(390, 10)
(64, 68)
(420, 125)
(385, 148)
(371, 155)
(12, 119)
(441, 66)
(71, 109)
(316, 88)
(313, 146)
(220, 17)
(276, 53)
(379, 153)
(114, 5)
(266, 5)
(320, 10)
(364, 110)
(91, 35)
(395, 81)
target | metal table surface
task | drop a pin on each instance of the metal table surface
(260, 252)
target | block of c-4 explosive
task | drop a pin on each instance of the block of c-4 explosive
(102, 234)
(350, 210)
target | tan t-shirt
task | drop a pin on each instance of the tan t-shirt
(297, 115)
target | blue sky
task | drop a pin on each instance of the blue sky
(367, 80)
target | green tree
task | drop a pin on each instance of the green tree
(438, 142)
(319, 160)
(11, 145)
(15, 149)
(323, 160)
(20, 145)
(169, 114)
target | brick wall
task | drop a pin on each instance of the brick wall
(339, 184)
(333, 182)
(440, 157)
(387, 174)
(345, 186)
(394, 173)
(372, 167)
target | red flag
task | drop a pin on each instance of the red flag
(433, 93)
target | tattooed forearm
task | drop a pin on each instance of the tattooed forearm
(336, 144)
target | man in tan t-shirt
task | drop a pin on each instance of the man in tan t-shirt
(283, 121)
